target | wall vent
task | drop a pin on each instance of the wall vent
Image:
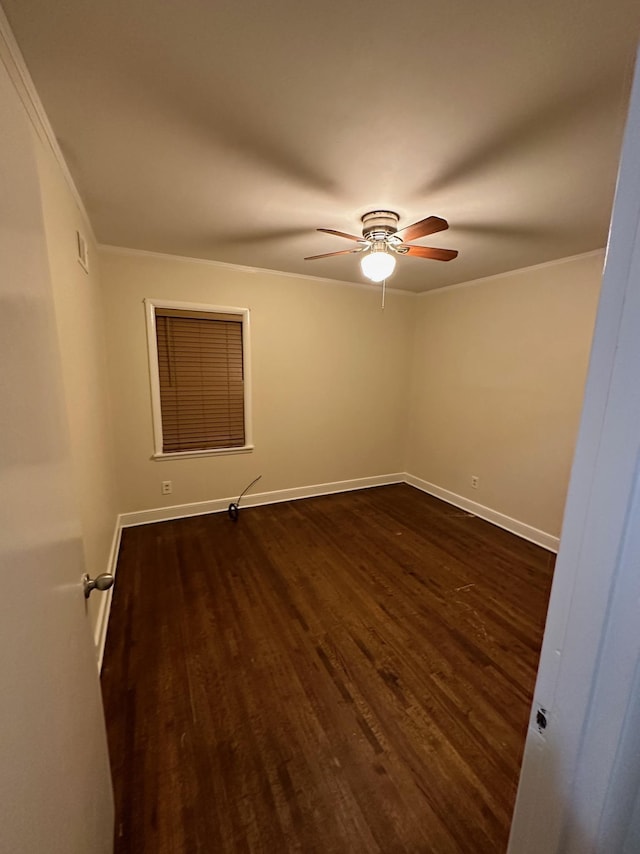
(83, 252)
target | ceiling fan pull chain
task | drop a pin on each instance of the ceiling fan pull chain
(384, 288)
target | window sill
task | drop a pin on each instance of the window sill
(208, 452)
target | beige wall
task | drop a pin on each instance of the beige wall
(330, 380)
(78, 308)
(498, 375)
(484, 379)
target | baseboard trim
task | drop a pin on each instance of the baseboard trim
(218, 505)
(100, 631)
(527, 532)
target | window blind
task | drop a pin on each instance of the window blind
(201, 380)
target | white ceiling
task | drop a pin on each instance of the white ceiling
(230, 130)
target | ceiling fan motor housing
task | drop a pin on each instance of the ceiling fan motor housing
(379, 225)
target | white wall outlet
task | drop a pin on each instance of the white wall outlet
(475, 481)
(166, 487)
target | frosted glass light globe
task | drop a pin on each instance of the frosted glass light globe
(378, 265)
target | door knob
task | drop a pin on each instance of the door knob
(101, 582)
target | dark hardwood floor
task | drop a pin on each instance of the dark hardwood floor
(343, 674)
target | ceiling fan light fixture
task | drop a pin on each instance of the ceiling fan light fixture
(378, 264)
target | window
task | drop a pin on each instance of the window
(198, 357)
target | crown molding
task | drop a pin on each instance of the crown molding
(520, 270)
(165, 256)
(240, 268)
(12, 58)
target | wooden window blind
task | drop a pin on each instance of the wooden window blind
(201, 379)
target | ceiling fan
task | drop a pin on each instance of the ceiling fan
(382, 240)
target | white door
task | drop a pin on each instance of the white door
(579, 789)
(55, 788)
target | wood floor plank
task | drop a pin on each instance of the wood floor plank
(347, 674)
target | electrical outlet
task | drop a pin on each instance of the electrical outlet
(166, 487)
(475, 481)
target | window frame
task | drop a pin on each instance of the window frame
(154, 377)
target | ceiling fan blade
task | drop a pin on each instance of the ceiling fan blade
(331, 254)
(431, 252)
(421, 229)
(341, 234)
